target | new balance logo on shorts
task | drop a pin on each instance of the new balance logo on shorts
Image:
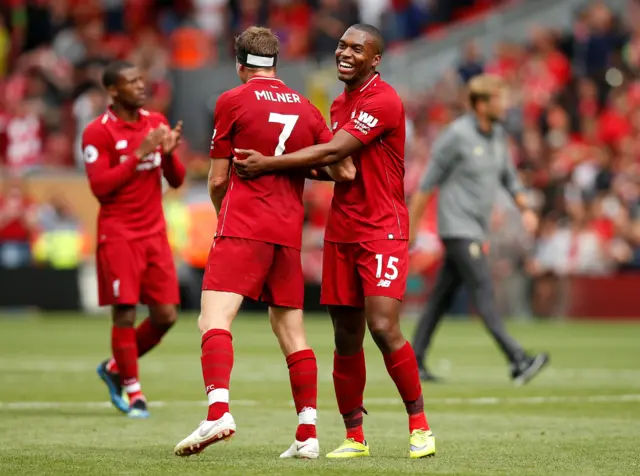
(384, 283)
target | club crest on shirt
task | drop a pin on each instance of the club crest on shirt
(474, 250)
(90, 154)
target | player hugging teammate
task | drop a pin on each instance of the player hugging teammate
(256, 250)
(366, 250)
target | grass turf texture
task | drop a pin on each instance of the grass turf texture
(581, 416)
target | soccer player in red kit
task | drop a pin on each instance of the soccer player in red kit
(256, 250)
(366, 249)
(127, 151)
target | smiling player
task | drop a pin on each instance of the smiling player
(366, 249)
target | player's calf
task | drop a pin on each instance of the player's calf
(217, 313)
(288, 326)
(125, 351)
(349, 375)
(383, 319)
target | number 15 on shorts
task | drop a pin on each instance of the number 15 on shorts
(389, 269)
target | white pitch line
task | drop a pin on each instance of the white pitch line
(371, 401)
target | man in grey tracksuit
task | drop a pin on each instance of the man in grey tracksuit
(469, 163)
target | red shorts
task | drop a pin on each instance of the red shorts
(353, 271)
(136, 271)
(256, 270)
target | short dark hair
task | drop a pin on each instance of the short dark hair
(112, 72)
(258, 41)
(374, 32)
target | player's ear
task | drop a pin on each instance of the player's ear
(376, 61)
(112, 91)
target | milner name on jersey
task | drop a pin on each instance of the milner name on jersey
(277, 97)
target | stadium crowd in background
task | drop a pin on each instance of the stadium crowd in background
(575, 120)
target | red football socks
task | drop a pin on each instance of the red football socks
(349, 378)
(403, 369)
(148, 335)
(303, 374)
(217, 362)
(125, 354)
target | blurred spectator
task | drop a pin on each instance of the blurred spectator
(614, 124)
(89, 104)
(18, 222)
(603, 39)
(471, 63)
(57, 214)
(291, 21)
(60, 243)
(332, 19)
(21, 137)
(411, 18)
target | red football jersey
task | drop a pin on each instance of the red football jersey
(372, 207)
(129, 191)
(265, 115)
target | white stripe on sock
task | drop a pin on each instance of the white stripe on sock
(131, 388)
(218, 395)
(308, 416)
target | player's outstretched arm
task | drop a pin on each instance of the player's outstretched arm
(218, 181)
(340, 147)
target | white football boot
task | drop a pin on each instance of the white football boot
(309, 449)
(207, 433)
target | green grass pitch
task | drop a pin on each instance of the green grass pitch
(580, 417)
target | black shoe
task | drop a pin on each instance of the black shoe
(528, 367)
(427, 376)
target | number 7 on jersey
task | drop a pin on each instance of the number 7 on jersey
(289, 122)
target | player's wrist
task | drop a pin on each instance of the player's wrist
(139, 155)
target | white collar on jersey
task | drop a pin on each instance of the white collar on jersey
(375, 76)
(111, 115)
